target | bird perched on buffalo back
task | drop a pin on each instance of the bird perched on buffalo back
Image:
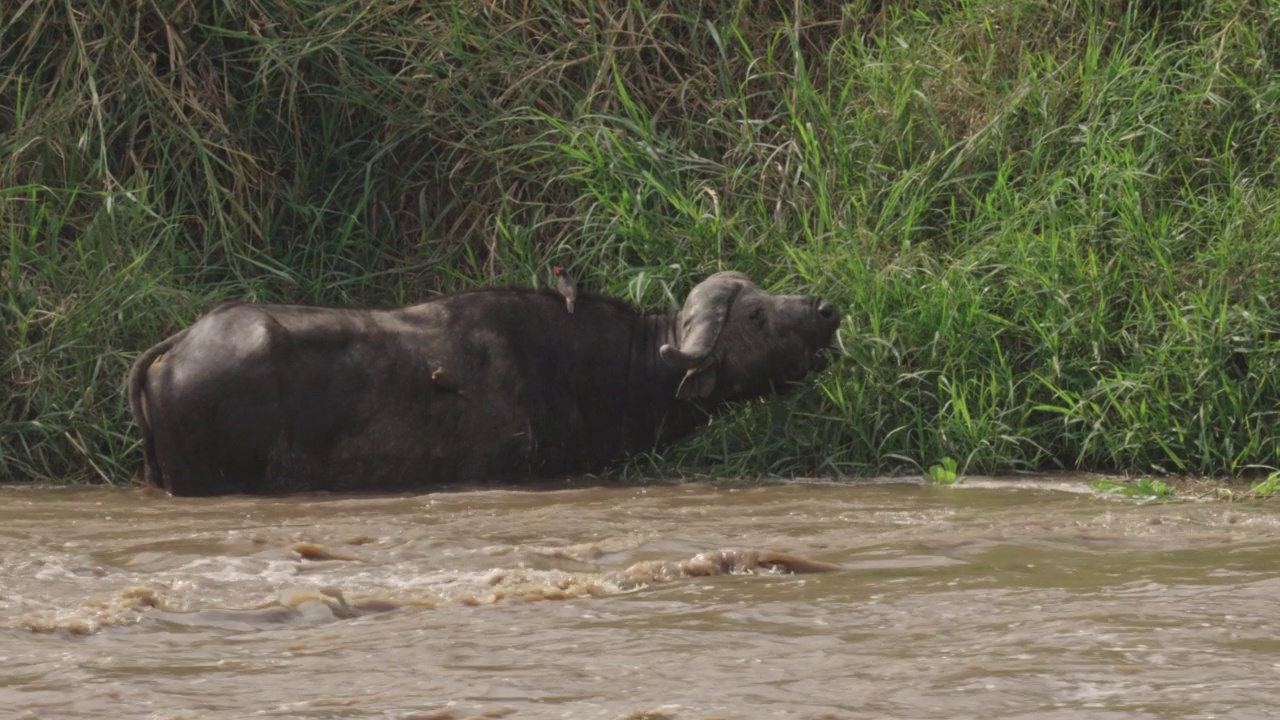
(566, 286)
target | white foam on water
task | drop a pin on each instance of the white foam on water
(239, 569)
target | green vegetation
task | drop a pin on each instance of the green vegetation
(943, 473)
(1146, 488)
(1268, 487)
(1054, 225)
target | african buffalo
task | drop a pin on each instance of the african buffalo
(491, 384)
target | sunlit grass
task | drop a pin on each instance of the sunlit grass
(1054, 227)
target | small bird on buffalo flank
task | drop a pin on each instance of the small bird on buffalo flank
(566, 287)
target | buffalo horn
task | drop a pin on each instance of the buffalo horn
(702, 319)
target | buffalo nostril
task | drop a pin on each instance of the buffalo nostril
(826, 311)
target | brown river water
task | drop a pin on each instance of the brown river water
(807, 600)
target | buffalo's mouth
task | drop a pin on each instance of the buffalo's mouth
(821, 357)
(810, 362)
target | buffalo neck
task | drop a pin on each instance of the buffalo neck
(654, 415)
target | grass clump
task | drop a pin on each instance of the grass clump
(1145, 488)
(1268, 487)
(943, 473)
(1053, 226)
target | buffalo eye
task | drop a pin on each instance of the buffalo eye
(757, 316)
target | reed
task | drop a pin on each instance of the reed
(1052, 224)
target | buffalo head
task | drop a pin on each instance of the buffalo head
(736, 341)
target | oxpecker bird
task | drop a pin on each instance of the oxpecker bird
(566, 287)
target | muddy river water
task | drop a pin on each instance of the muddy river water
(679, 601)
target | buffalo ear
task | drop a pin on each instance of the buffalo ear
(697, 383)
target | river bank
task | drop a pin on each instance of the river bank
(1050, 225)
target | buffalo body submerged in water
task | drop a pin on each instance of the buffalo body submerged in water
(493, 384)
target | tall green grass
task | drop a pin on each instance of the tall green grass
(1053, 225)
